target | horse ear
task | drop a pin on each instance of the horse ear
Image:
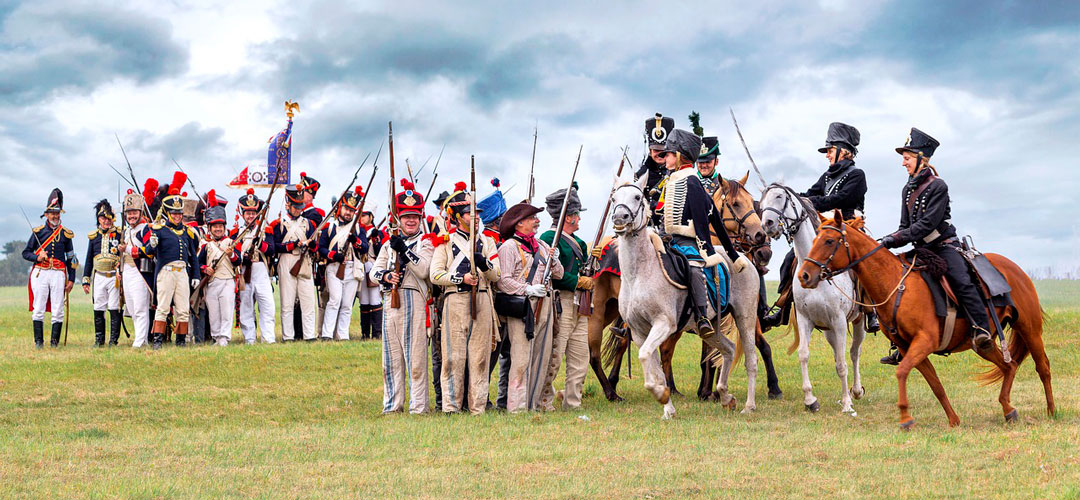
(745, 178)
(837, 216)
(822, 218)
(642, 182)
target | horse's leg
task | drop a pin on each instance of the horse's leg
(746, 320)
(858, 334)
(1009, 371)
(921, 347)
(926, 368)
(837, 336)
(620, 349)
(651, 367)
(766, 358)
(705, 385)
(667, 352)
(727, 351)
(603, 315)
(806, 327)
(1034, 343)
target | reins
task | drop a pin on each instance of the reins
(640, 211)
(828, 274)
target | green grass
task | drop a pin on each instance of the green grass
(302, 420)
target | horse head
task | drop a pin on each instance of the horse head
(631, 209)
(783, 210)
(832, 252)
(741, 219)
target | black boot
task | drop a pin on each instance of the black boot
(115, 320)
(55, 340)
(157, 334)
(365, 321)
(981, 337)
(181, 334)
(893, 358)
(700, 298)
(39, 334)
(781, 311)
(704, 326)
(99, 328)
(872, 324)
(376, 322)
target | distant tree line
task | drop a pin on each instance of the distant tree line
(14, 270)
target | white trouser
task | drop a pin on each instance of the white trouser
(137, 303)
(368, 295)
(338, 312)
(48, 286)
(258, 290)
(106, 294)
(220, 301)
(291, 288)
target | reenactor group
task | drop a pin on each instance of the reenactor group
(458, 289)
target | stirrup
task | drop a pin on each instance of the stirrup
(705, 328)
(981, 338)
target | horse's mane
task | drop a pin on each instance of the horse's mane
(808, 208)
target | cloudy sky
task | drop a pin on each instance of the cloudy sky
(998, 83)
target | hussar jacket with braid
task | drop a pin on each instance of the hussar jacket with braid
(689, 211)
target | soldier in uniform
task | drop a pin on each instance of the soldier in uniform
(492, 208)
(572, 337)
(466, 342)
(368, 289)
(257, 252)
(218, 259)
(342, 243)
(843, 187)
(656, 135)
(175, 247)
(523, 261)
(438, 226)
(310, 187)
(102, 261)
(706, 164)
(926, 222)
(405, 262)
(137, 271)
(51, 250)
(688, 212)
(292, 235)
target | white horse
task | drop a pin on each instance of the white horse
(829, 307)
(651, 305)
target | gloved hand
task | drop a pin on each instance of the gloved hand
(555, 253)
(153, 240)
(398, 244)
(537, 290)
(891, 241)
(596, 251)
(481, 262)
(741, 263)
(194, 283)
(584, 283)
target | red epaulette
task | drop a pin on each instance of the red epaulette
(493, 235)
(437, 239)
(321, 212)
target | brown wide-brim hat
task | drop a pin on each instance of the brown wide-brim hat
(513, 215)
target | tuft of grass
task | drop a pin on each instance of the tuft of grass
(303, 420)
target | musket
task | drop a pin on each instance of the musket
(743, 141)
(423, 166)
(472, 236)
(120, 261)
(295, 270)
(395, 296)
(134, 181)
(585, 299)
(532, 166)
(360, 209)
(250, 254)
(558, 235)
(122, 176)
(189, 181)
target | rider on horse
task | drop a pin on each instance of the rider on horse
(706, 164)
(688, 211)
(842, 187)
(657, 130)
(925, 222)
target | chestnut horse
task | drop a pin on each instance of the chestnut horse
(737, 210)
(915, 327)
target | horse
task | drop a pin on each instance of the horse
(829, 308)
(651, 305)
(738, 211)
(906, 309)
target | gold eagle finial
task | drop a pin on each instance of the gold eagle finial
(291, 107)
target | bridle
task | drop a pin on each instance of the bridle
(636, 214)
(826, 272)
(741, 238)
(789, 226)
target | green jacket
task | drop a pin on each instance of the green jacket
(571, 264)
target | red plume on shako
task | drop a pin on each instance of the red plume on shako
(409, 201)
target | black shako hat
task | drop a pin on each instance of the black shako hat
(710, 149)
(841, 135)
(919, 142)
(684, 143)
(657, 130)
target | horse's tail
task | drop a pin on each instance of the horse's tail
(727, 327)
(1018, 349)
(610, 347)
(793, 327)
(1029, 320)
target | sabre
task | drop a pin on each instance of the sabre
(122, 176)
(193, 189)
(743, 141)
(134, 181)
(435, 172)
(532, 166)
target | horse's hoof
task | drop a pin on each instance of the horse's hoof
(906, 426)
(858, 394)
(813, 407)
(613, 397)
(731, 405)
(748, 410)
(1012, 416)
(776, 395)
(668, 415)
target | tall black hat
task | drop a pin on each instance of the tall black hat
(657, 130)
(174, 200)
(553, 203)
(295, 194)
(309, 183)
(919, 142)
(710, 149)
(841, 135)
(249, 201)
(353, 198)
(440, 200)
(215, 209)
(459, 201)
(684, 143)
(55, 203)
(104, 209)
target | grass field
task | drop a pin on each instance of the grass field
(302, 420)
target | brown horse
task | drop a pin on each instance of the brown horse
(738, 211)
(905, 305)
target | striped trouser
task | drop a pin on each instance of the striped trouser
(530, 361)
(466, 344)
(404, 353)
